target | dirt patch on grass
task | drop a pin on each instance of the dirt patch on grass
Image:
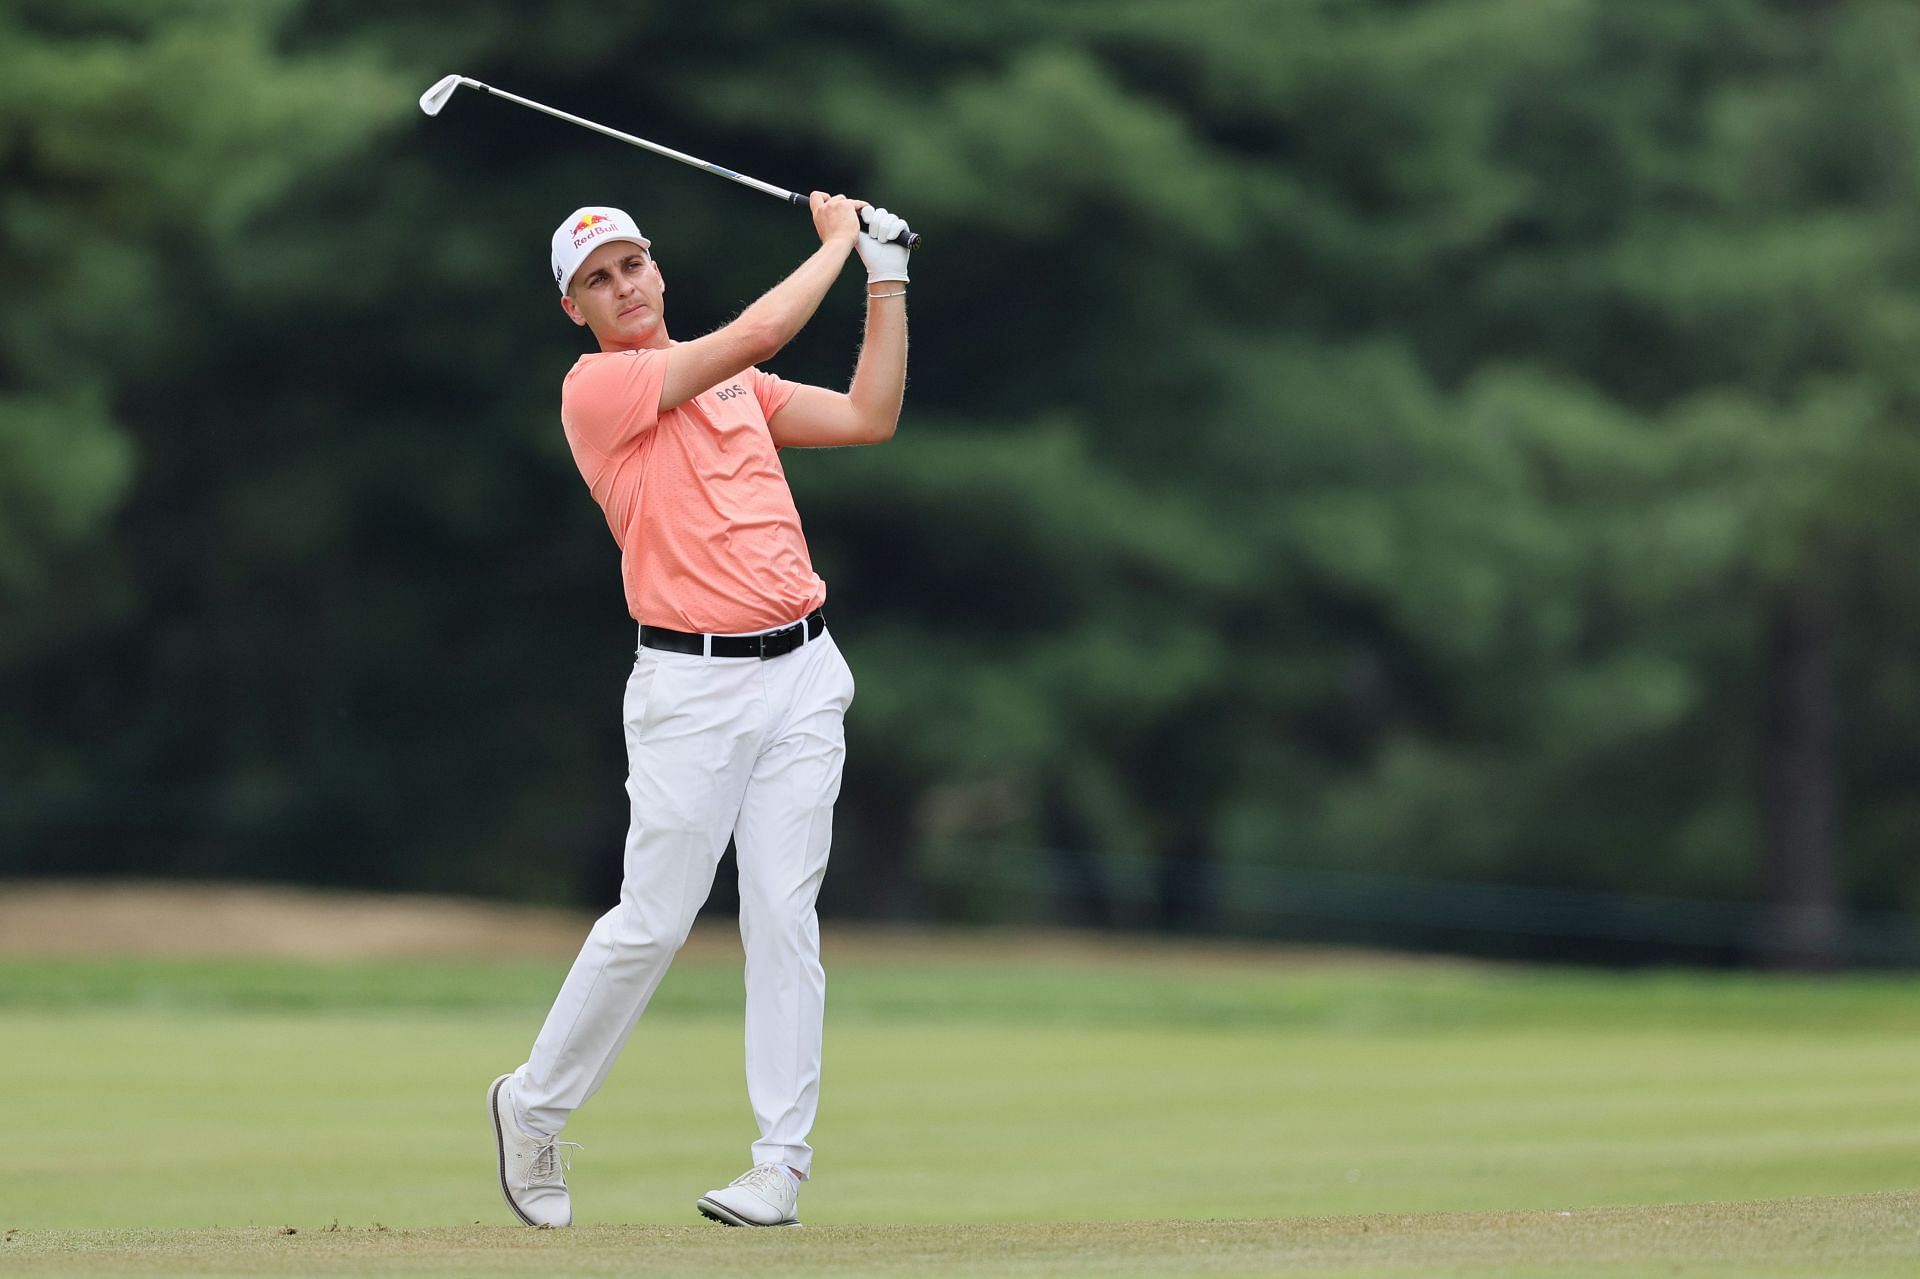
(119, 918)
(39, 918)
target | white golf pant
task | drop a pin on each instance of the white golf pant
(716, 746)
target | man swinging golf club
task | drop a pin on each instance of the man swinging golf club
(734, 708)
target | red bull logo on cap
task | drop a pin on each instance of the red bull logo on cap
(592, 225)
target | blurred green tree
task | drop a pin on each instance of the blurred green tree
(143, 145)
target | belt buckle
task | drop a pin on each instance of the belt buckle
(780, 636)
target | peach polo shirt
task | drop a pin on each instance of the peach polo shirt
(696, 497)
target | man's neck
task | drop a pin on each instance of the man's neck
(659, 342)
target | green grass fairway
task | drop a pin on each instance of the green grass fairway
(1193, 1112)
(1858, 1236)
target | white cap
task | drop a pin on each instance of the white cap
(586, 230)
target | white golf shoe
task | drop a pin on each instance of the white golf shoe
(531, 1173)
(764, 1196)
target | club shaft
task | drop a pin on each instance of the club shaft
(642, 143)
(436, 97)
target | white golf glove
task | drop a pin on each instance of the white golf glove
(884, 261)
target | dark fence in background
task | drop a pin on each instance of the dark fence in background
(1002, 883)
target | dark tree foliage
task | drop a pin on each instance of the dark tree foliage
(1466, 441)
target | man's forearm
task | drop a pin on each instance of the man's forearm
(880, 375)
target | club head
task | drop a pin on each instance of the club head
(433, 99)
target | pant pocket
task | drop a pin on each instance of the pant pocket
(639, 705)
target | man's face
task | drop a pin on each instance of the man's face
(617, 292)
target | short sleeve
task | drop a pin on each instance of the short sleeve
(772, 392)
(610, 399)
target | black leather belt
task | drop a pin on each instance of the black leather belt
(764, 645)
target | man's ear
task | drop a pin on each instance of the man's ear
(568, 305)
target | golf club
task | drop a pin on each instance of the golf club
(435, 98)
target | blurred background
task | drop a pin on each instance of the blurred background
(1427, 475)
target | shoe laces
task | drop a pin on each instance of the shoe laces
(768, 1180)
(545, 1159)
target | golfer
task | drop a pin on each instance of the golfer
(734, 708)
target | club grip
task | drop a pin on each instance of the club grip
(909, 238)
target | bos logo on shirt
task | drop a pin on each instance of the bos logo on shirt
(730, 392)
